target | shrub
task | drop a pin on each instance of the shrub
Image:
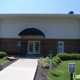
(45, 62)
(42, 62)
(55, 61)
(75, 56)
(59, 60)
(65, 56)
(48, 59)
(45, 65)
(3, 54)
(40, 59)
(54, 64)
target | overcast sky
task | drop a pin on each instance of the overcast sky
(39, 6)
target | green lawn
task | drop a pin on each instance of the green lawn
(61, 72)
(3, 61)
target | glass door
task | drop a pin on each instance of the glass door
(30, 47)
(33, 47)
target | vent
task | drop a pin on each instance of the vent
(71, 12)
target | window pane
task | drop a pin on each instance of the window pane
(30, 46)
(36, 46)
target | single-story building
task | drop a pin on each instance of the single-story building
(39, 33)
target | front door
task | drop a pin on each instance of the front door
(60, 47)
(33, 47)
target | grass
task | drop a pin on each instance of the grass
(61, 72)
(2, 61)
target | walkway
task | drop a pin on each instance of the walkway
(23, 69)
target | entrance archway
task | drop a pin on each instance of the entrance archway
(32, 34)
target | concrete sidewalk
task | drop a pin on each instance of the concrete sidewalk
(23, 69)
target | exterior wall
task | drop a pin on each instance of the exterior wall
(70, 46)
(67, 30)
(10, 45)
(52, 28)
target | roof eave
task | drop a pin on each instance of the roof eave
(39, 15)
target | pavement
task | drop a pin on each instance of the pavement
(22, 69)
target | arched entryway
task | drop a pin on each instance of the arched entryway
(34, 37)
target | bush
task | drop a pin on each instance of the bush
(59, 60)
(66, 56)
(75, 56)
(48, 59)
(3, 54)
(40, 59)
(42, 62)
(45, 65)
(55, 61)
(63, 56)
(54, 64)
(45, 62)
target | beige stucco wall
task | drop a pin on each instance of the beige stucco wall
(52, 28)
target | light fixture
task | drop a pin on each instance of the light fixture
(19, 44)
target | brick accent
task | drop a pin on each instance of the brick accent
(9, 45)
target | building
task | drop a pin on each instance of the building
(38, 33)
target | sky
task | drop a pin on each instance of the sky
(39, 6)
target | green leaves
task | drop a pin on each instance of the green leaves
(3, 54)
(66, 56)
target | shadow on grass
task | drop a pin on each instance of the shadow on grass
(55, 75)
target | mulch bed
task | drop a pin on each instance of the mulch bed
(41, 74)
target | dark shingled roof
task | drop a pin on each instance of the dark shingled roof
(31, 31)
